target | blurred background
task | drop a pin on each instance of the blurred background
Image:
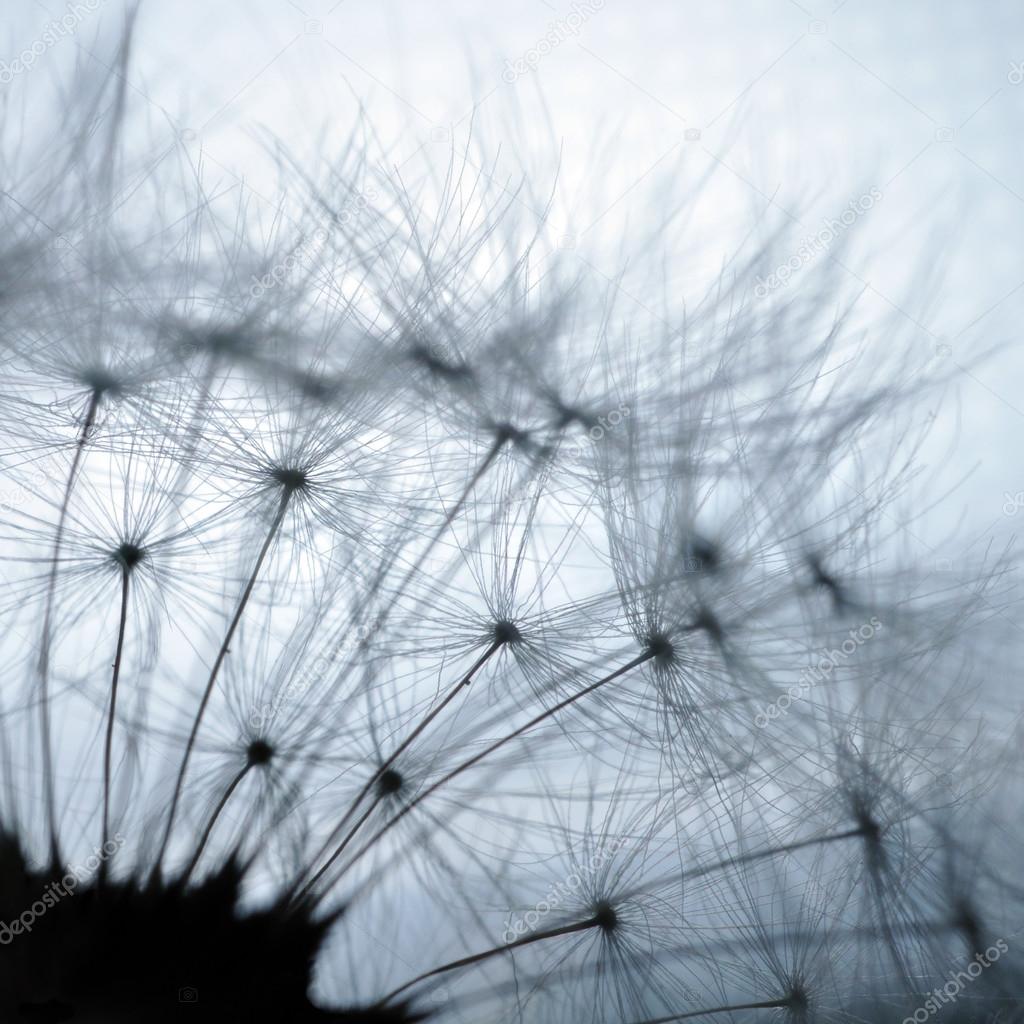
(739, 114)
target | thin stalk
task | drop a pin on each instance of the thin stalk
(193, 433)
(44, 656)
(475, 958)
(398, 751)
(768, 1004)
(485, 464)
(109, 742)
(478, 474)
(208, 831)
(275, 527)
(708, 947)
(640, 659)
(773, 851)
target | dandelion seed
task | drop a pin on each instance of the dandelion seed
(390, 625)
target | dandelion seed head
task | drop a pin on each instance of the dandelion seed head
(390, 782)
(508, 433)
(660, 648)
(702, 555)
(506, 632)
(452, 372)
(966, 920)
(222, 342)
(825, 580)
(320, 388)
(605, 916)
(101, 381)
(798, 1003)
(128, 555)
(259, 752)
(861, 805)
(569, 415)
(290, 478)
(706, 621)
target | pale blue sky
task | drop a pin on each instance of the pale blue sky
(799, 105)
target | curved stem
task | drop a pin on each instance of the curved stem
(485, 464)
(773, 851)
(475, 958)
(275, 526)
(208, 831)
(44, 654)
(766, 853)
(450, 516)
(109, 742)
(640, 659)
(398, 751)
(768, 1004)
(192, 433)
